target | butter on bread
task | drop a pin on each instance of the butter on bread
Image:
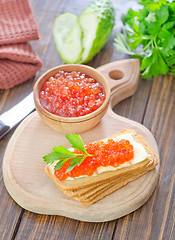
(89, 189)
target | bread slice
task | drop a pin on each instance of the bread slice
(91, 180)
(90, 198)
(89, 189)
(104, 187)
(98, 192)
(99, 186)
(109, 190)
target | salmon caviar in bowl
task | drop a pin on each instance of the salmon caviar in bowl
(71, 97)
(71, 94)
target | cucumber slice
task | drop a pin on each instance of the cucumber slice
(89, 33)
(97, 22)
(67, 36)
(79, 40)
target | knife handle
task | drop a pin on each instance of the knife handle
(3, 129)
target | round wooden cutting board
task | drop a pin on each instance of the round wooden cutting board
(23, 166)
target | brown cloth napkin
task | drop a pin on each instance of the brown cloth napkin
(18, 61)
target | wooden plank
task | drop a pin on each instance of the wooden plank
(134, 107)
(161, 110)
(54, 227)
(155, 220)
(10, 212)
(157, 216)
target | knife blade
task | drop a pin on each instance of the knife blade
(12, 117)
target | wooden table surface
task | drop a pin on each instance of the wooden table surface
(153, 105)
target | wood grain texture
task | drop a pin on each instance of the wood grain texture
(47, 227)
(10, 212)
(30, 187)
(152, 105)
(158, 217)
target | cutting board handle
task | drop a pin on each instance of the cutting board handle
(123, 78)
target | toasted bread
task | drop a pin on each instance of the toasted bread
(89, 189)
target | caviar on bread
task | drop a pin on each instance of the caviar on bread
(107, 165)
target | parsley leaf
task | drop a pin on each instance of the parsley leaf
(61, 155)
(74, 162)
(149, 34)
(54, 156)
(76, 142)
(60, 163)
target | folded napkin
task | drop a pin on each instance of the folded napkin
(18, 61)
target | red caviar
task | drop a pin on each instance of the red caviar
(71, 94)
(110, 153)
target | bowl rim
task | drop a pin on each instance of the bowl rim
(78, 67)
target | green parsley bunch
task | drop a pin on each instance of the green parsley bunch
(149, 34)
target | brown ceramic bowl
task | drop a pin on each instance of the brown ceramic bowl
(72, 124)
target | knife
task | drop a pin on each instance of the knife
(12, 117)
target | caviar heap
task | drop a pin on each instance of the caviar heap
(71, 94)
(109, 153)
